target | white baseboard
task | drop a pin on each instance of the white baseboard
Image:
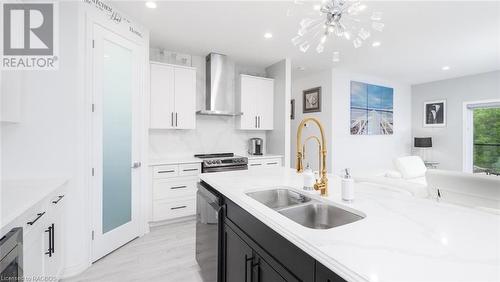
(74, 270)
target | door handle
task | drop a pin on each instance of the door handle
(37, 218)
(248, 260)
(257, 264)
(255, 121)
(259, 121)
(136, 165)
(172, 119)
(175, 119)
(58, 199)
(50, 250)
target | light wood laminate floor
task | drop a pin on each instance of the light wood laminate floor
(167, 253)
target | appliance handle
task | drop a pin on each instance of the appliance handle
(220, 230)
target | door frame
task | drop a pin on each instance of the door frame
(468, 130)
(90, 18)
(104, 243)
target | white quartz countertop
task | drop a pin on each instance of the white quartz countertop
(266, 156)
(18, 196)
(402, 238)
(169, 161)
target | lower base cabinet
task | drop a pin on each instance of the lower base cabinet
(253, 252)
(242, 263)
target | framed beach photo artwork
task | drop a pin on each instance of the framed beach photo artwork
(435, 113)
(312, 100)
(372, 110)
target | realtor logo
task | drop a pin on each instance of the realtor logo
(29, 36)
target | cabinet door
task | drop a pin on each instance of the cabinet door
(324, 274)
(162, 97)
(249, 96)
(54, 263)
(265, 110)
(34, 248)
(185, 98)
(238, 257)
(263, 272)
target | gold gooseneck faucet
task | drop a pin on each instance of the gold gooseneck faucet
(322, 183)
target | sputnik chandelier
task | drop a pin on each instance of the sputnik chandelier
(342, 18)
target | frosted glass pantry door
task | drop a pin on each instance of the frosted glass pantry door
(115, 134)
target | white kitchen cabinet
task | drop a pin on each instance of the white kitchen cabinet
(43, 240)
(173, 97)
(264, 162)
(255, 101)
(174, 190)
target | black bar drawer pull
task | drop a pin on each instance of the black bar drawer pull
(166, 171)
(190, 169)
(58, 199)
(178, 187)
(255, 164)
(38, 215)
(275, 163)
(179, 207)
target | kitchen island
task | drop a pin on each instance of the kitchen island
(402, 238)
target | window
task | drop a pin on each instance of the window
(486, 140)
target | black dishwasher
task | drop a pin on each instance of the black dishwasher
(208, 233)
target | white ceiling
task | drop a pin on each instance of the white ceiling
(420, 37)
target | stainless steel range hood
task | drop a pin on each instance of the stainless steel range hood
(219, 97)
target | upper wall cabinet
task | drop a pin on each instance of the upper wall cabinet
(256, 99)
(173, 97)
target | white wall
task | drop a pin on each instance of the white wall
(346, 150)
(448, 141)
(299, 84)
(212, 134)
(368, 151)
(45, 144)
(278, 140)
(50, 139)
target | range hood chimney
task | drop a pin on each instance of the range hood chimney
(219, 98)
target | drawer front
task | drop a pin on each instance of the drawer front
(255, 163)
(172, 189)
(272, 162)
(189, 169)
(165, 171)
(163, 210)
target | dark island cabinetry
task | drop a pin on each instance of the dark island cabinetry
(253, 252)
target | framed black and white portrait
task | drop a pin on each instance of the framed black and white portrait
(312, 100)
(435, 113)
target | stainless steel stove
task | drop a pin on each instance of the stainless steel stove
(222, 162)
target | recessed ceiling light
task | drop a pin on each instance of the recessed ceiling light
(445, 68)
(151, 4)
(317, 7)
(376, 43)
(268, 35)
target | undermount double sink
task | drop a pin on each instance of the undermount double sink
(304, 210)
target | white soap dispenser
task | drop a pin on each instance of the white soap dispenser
(309, 178)
(347, 186)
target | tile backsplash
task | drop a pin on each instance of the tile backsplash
(213, 134)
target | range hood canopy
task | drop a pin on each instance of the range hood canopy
(219, 97)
